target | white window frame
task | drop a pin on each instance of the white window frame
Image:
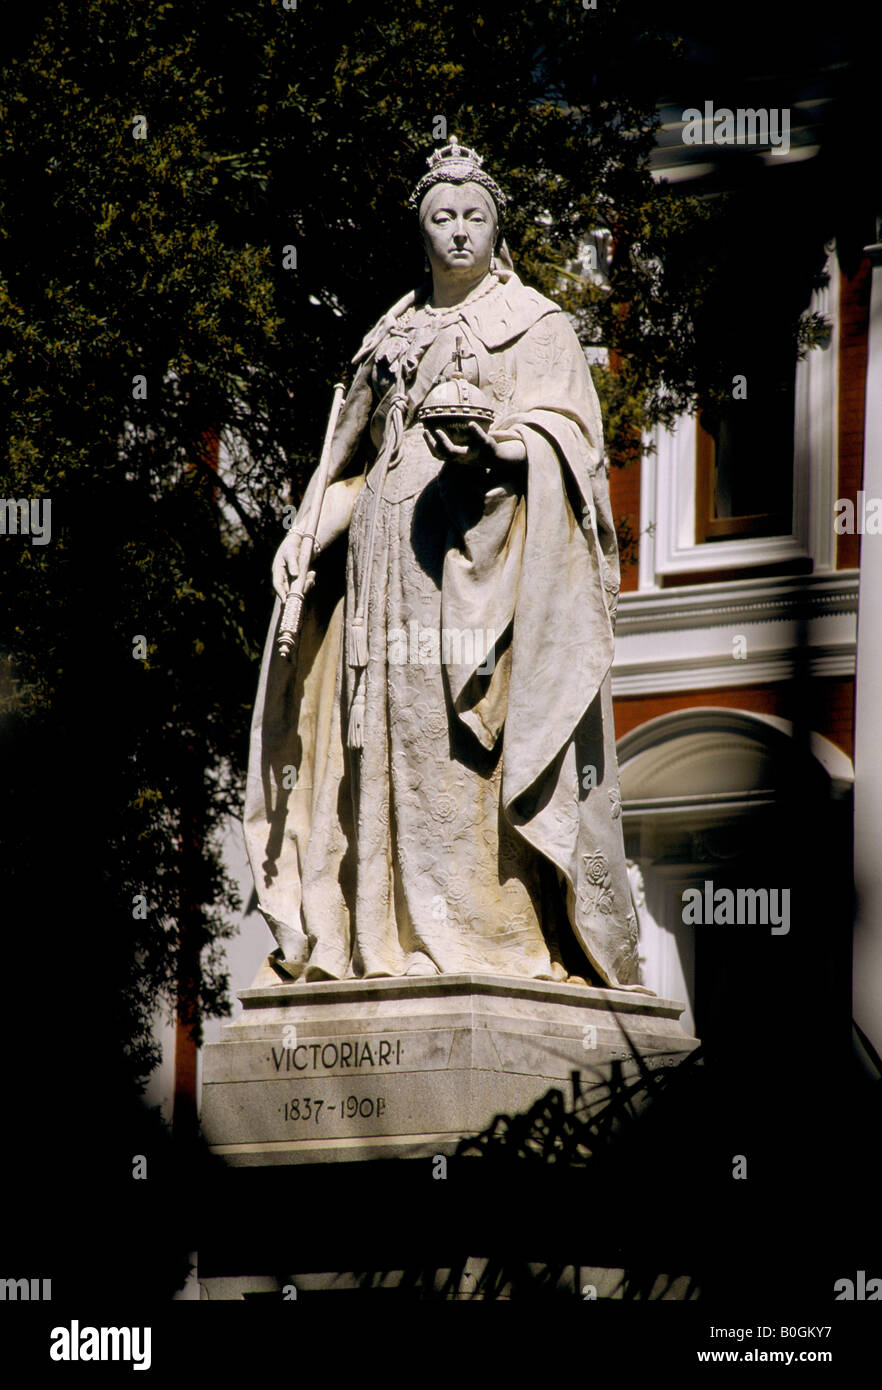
(667, 486)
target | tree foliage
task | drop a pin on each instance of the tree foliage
(163, 258)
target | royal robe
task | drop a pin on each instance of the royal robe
(478, 827)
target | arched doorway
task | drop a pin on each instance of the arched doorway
(726, 797)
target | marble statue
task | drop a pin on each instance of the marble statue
(432, 784)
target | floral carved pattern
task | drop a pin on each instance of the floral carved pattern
(596, 893)
(502, 384)
(545, 349)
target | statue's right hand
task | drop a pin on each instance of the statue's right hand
(286, 564)
(336, 514)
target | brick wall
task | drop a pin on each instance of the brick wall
(827, 703)
(624, 493)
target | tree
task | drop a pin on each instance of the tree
(160, 165)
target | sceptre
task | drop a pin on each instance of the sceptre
(292, 613)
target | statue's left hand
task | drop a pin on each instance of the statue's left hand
(502, 450)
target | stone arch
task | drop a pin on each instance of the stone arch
(695, 785)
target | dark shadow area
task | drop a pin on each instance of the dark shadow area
(635, 1177)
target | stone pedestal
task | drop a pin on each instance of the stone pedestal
(370, 1069)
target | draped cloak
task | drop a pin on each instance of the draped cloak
(479, 827)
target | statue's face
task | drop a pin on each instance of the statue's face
(459, 229)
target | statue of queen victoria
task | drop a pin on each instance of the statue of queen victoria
(432, 785)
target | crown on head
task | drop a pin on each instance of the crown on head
(456, 163)
(454, 150)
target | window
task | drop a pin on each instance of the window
(754, 484)
(744, 465)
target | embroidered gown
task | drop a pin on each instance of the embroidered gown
(478, 826)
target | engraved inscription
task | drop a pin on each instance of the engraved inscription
(357, 1054)
(309, 1108)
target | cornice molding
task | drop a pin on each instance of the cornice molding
(682, 639)
(738, 601)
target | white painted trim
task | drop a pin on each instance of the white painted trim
(868, 706)
(817, 432)
(682, 639)
(708, 675)
(675, 549)
(730, 600)
(647, 579)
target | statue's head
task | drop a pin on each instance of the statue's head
(460, 208)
